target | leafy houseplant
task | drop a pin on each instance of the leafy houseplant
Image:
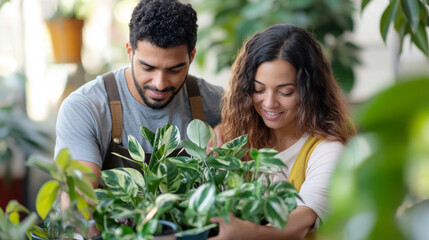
(70, 178)
(205, 184)
(10, 226)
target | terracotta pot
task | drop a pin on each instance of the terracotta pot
(66, 36)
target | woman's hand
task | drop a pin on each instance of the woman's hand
(236, 229)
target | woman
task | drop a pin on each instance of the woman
(283, 94)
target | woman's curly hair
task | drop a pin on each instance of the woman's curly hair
(321, 107)
(164, 23)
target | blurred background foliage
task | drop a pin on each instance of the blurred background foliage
(409, 17)
(232, 22)
(380, 189)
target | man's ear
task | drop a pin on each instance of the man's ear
(129, 49)
(192, 55)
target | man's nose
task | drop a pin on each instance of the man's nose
(160, 80)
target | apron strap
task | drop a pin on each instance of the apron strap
(297, 173)
(194, 97)
(115, 106)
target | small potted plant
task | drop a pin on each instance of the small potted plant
(65, 20)
(69, 178)
(11, 227)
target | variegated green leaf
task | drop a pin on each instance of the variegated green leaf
(165, 201)
(120, 184)
(135, 149)
(46, 197)
(147, 134)
(276, 211)
(199, 133)
(224, 162)
(171, 180)
(170, 139)
(203, 198)
(251, 207)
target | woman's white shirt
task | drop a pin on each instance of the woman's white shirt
(321, 165)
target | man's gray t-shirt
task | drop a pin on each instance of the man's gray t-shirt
(84, 119)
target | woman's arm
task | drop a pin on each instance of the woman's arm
(300, 222)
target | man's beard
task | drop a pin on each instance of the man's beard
(157, 104)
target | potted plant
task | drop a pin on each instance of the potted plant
(69, 178)
(65, 20)
(127, 210)
(210, 184)
(11, 227)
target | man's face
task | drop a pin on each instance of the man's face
(158, 73)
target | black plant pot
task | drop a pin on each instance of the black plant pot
(168, 231)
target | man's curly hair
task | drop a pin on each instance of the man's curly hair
(164, 23)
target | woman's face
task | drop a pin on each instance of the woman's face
(275, 95)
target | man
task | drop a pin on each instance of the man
(152, 91)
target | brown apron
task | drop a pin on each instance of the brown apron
(113, 161)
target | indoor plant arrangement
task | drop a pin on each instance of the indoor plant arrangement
(204, 185)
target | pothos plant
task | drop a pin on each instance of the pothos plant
(204, 184)
(69, 177)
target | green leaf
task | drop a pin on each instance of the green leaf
(46, 197)
(234, 180)
(120, 184)
(226, 163)
(364, 4)
(388, 15)
(152, 183)
(15, 206)
(236, 143)
(148, 135)
(420, 39)
(42, 164)
(64, 159)
(199, 133)
(171, 181)
(83, 208)
(412, 12)
(252, 207)
(84, 185)
(165, 202)
(135, 149)
(203, 198)
(193, 149)
(276, 211)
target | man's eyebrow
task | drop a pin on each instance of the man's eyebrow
(145, 63)
(278, 86)
(150, 66)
